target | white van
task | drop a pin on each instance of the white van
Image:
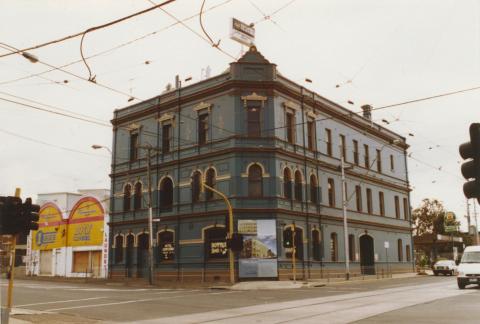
(469, 267)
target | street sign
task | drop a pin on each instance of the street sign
(242, 32)
(450, 228)
(386, 244)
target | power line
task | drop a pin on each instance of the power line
(116, 47)
(54, 112)
(49, 144)
(89, 29)
(57, 108)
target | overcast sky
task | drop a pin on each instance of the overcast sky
(379, 52)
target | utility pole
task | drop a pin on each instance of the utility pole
(345, 224)
(469, 222)
(476, 222)
(294, 250)
(149, 148)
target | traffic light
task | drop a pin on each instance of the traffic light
(16, 217)
(30, 216)
(471, 168)
(235, 243)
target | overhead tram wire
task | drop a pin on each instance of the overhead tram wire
(11, 48)
(49, 144)
(89, 29)
(57, 108)
(115, 47)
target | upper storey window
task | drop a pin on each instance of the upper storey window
(254, 104)
(253, 119)
(379, 161)
(166, 137)
(355, 152)
(328, 140)
(343, 147)
(367, 156)
(133, 146)
(204, 110)
(290, 126)
(311, 134)
(202, 128)
(166, 121)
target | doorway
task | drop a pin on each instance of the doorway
(367, 258)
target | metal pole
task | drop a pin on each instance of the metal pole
(345, 225)
(294, 250)
(476, 221)
(231, 256)
(150, 218)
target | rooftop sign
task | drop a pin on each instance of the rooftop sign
(242, 32)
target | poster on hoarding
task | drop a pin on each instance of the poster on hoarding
(85, 226)
(258, 259)
(51, 228)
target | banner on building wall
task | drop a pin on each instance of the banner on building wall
(51, 233)
(85, 224)
(258, 259)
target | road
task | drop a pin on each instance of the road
(424, 299)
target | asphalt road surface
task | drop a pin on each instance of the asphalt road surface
(424, 299)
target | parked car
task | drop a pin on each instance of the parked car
(469, 267)
(444, 267)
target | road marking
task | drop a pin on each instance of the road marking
(136, 301)
(59, 301)
(344, 308)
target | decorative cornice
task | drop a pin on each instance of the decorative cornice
(291, 105)
(203, 105)
(165, 117)
(253, 97)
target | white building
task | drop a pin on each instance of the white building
(72, 239)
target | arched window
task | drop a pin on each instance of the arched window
(166, 194)
(288, 242)
(316, 244)
(407, 249)
(333, 247)
(400, 250)
(119, 249)
(255, 186)
(351, 247)
(166, 246)
(210, 180)
(137, 199)
(298, 186)
(313, 189)
(196, 185)
(216, 242)
(287, 183)
(127, 195)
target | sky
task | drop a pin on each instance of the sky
(368, 52)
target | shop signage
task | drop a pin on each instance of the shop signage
(51, 233)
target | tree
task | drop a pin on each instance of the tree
(429, 217)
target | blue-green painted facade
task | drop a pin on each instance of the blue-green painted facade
(230, 150)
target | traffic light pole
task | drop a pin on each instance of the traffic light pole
(230, 229)
(476, 222)
(13, 243)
